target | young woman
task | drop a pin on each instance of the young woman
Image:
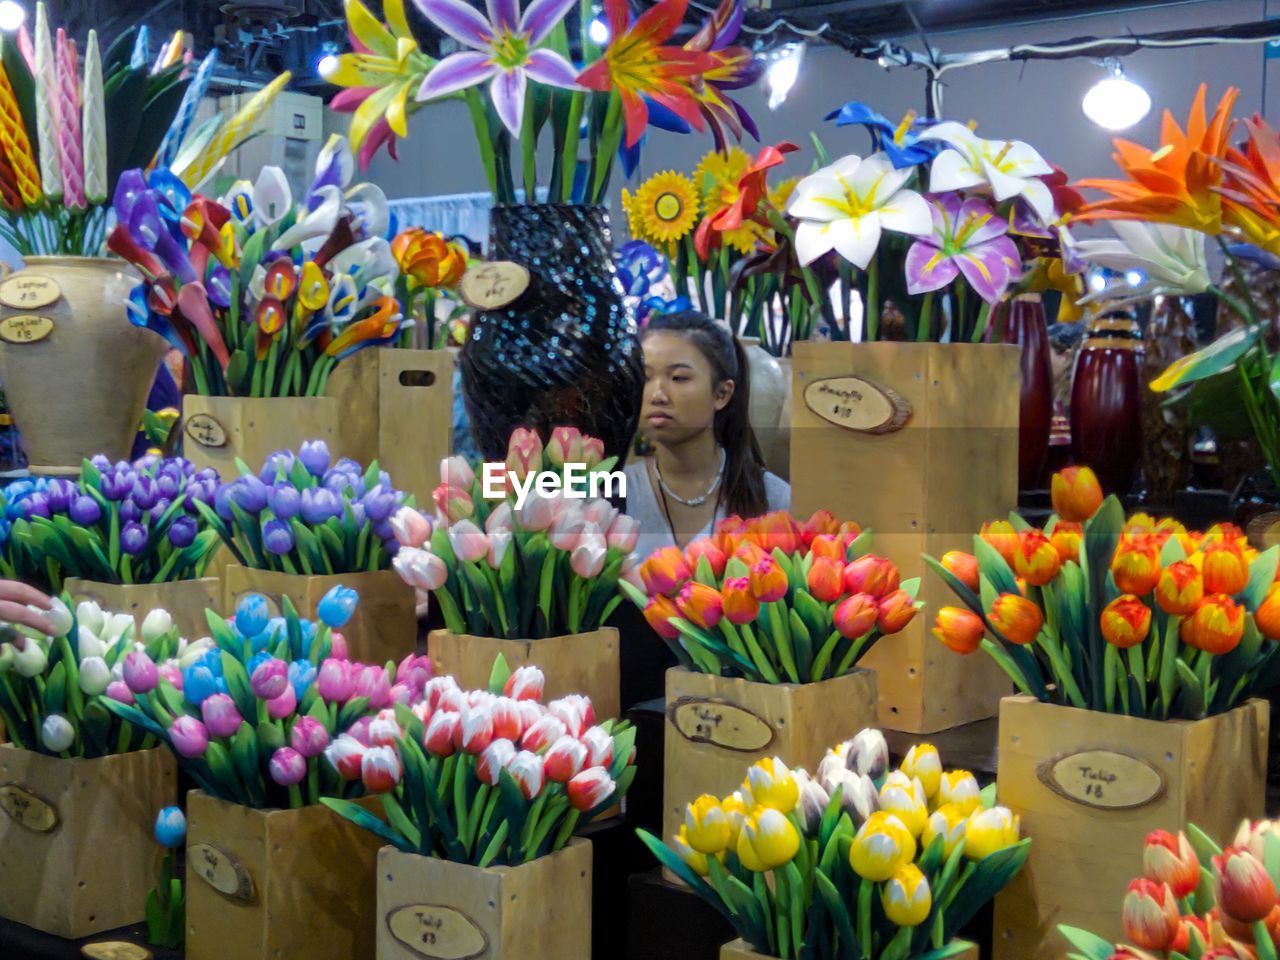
(706, 463)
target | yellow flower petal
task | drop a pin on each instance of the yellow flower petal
(397, 116)
(361, 70)
(1169, 379)
(393, 10)
(369, 113)
(368, 30)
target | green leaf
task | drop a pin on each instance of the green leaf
(1214, 358)
(499, 675)
(1206, 847)
(238, 686)
(364, 819)
(993, 567)
(1262, 573)
(1090, 944)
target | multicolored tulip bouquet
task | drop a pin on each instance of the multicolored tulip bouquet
(855, 861)
(529, 61)
(67, 131)
(774, 600)
(54, 691)
(490, 777)
(1195, 184)
(430, 268)
(118, 523)
(547, 568)
(300, 515)
(1136, 616)
(262, 297)
(251, 711)
(1197, 901)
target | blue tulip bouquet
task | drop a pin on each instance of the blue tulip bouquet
(300, 515)
(117, 523)
(252, 716)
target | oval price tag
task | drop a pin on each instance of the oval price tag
(437, 932)
(488, 286)
(28, 810)
(29, 291)
(721, 724)
(25, 328)
(206, 430)
(1103, 779)
(857, 404)
(221, 871)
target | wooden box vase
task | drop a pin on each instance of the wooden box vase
(917, 442)
(397, 408)
(741, 950)
(1090, 786)
(433, 908)
(219, 430)
(586, 663)
(77, 855)
(717, 727)
(186, 601)
(384, 626)
(277, 884)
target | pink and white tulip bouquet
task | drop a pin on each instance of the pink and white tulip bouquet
(491, 777)
(520, 564)
(251, 711)
(54, 690)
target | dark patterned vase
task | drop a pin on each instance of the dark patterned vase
(1106, 402)
(1021, 321)
(565, 352)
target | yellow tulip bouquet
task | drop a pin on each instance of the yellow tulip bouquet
(1132, 616)
(855, 863)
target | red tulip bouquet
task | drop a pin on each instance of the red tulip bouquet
(855, 861)
(1138, 616)
(774, 600)
(507, 558)
(492, 777)
(1197, 901)
(252, 712)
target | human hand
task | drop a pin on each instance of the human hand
(21, 604)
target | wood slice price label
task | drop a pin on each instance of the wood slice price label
(221, 871)
(721, 724)
(25, 328)
(115, 950)
(28, 810)
(488, 286)
(857, 404)
(437, 932)
(1104, 779)
(29, 291)
(206, 430)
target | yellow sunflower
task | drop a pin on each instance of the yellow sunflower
(780, 194)
(666, 207)
(717, 178)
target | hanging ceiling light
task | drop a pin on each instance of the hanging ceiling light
(1116, 102)
(12, 15)
(783, 71)
(598, 31)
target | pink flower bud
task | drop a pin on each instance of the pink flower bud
(590, 789)
(283, 705)
(468, 541)
(287, 767)
(524, 452)
(565, 446)
(410, 527)
(453, 503)
(309, 737)
(220, 715)
(623, 533)
(373, 682)
(502, 518)
(420, 568)
(346, 755)
(188, 737)
(538, 512)
(336, 681)
(499, 543)
(457, 472)
(414, 671)
(496, 757)
(565, 759)
(338, 646)
(525, 683)
(600, 512)
(269, 679)
(592, 451)
(587, 558)
(171, 673)
(360, 730)
(140, 673)
(119, 691)
(567, 529)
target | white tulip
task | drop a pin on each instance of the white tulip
(156, 625)
(56, 733)
(89, 616)
(59, 616)
(95, 675)
(31, 660)
(89, 643)
(117, 627)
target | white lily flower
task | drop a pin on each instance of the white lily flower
(1009, 167)
(1170, 258)
(369, 204)
(272, 198)
(316, 224)
(845, 206)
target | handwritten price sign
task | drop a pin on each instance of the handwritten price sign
(1104, 779)
(857, 404)
(489, 286)
(25, 328)
(221, 871)
(721, 724)
(26, 291)
(437, 932)
(27, 810)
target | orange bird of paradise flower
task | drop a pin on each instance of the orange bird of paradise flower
(1176, 183)
(751, 190)
(1251, 189)
(637, 65)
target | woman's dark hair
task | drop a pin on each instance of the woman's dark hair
(742, 489)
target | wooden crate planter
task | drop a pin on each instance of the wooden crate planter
(384, 627)
(914, 485)
(278, 884)
(740, 950)
(186, 600)
(1090, 786)
(586, 663)
(716, 727)
(432, 908)
(77, 855)
(219, 430)
(398, 409)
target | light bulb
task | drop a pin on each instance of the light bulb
(1134, 278)
(326, 65)
(598, 31)
(12, 15)
(783, 71)
(1097, 283)
(1116, 102)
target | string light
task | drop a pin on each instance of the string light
(598, 31)
(1116, 102)
(328, 61)
(782, 72)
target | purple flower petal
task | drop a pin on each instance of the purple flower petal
(989, 267)
(547, 66)
(980, 217)
(507, 91)
(504, 15)
(460, 21)
(456, 72)
(541, 17)
(928, 268)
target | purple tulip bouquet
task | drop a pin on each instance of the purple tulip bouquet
(54, 691)
(300, 515)
(118, 523)
(251, 712)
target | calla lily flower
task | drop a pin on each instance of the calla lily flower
(379, 328)
(845, 206)
(230, 245)
(366, 260)
(313, 290)
(141, 315)
(318, 223)
(193, 304)
(201, 223)
(147, 227)
(1170, 258)
(281, 279)
(163, 296)
(272, 199)
(218, 286)
(122, 244)
(968, 238)
(506, 48)
(129, 188)
(1010, 168)
(900, 142)
(343, 296)
(170, 186)
(270, 318)
(368, 205)
(239, 200)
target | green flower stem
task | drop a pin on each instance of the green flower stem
(980, 325)
(569, 159)
(481, 123)
(871, 309)
(924, 328)
(865, 889)
(610, 136)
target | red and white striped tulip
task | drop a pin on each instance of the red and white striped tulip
(496, 758)
(527, 771)
(565, 759)
(525, 683)
(590, 788)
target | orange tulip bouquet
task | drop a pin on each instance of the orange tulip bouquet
(430, 268)
(1132, 616)
(1197, 901)
(1193, 185)
(773, 600)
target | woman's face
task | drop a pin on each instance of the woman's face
(681, 395)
